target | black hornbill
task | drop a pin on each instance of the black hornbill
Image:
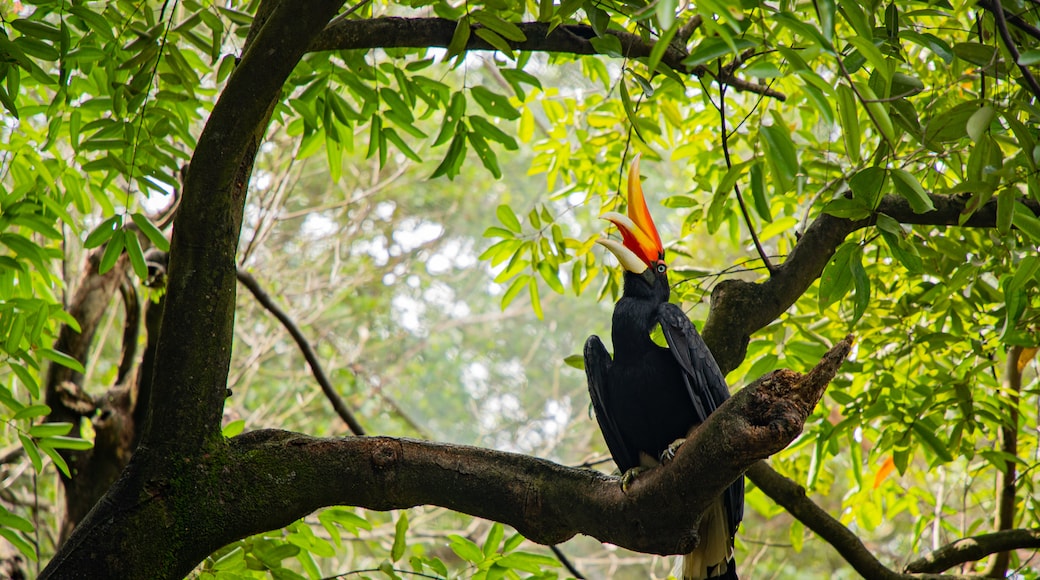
(649, 397)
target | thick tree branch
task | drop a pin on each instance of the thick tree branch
(337, 402)
(194, 349)
(267, 479)
(394, 32)
(974, 549)
(740, 308)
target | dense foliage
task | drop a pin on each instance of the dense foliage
(423, 207)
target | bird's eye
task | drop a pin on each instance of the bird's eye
(661, 268)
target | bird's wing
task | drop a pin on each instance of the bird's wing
(704, 382)
(597, 365)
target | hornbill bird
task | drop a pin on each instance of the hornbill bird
(648, 397)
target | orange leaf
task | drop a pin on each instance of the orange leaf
(1024, 358)
(886, 468)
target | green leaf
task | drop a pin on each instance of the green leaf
(508, 217)
(133, 249)
(836, 279)
(494, 538)
(490, 131)
(103, 232)
(514, 290)
(878, 112)
(979, 122)
(57, 459)
(32, 451)
(825, 12)
(1005, 209)
(18, 542)
(151, 232)
(502, 28)
(665, 13)
(1026, 222)
(528, 562)
(867, 186)
(494, 103)
(976, 53)
(60, 358)
(575, 360)
(484, 152)
(31, 412)
(449, 166)
(492, 38)
(781, 152)
(551, 276)
(758, 192)
(400, 537)
(113, 250)
(861, 283)
(908, 187)
(27, 379)
(465, 549)
(233, 428)
(608, 45)
(459, 39)
(10, 520)
(712, 48)
(1029, 57)
(49, 429)
(665, 40)
(536, 303)
(850, 131)
(59, 442)
(401, 145)
(904, 252)
(927, 436)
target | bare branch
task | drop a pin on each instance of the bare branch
(267, 302)
(974, 549)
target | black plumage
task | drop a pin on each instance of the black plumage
(648, 396)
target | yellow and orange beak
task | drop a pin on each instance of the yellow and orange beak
(641, 247)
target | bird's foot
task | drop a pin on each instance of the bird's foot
(669, 453)
(629, 476)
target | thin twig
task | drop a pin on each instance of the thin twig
(736, 188)
(566, 563)
(265, 300)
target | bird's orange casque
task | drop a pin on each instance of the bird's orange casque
(641, 247)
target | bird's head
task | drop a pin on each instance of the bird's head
(640, 251)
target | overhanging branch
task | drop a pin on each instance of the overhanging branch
(395, 32)
(740, 308)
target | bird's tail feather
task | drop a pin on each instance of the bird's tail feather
(713, 556)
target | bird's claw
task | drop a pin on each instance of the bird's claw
(629, 476)
(669, 453)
